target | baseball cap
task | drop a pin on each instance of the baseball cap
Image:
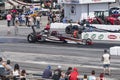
(59, 66)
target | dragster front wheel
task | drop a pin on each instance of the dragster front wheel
(87, 41)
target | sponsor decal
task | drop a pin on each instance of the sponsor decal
(101, 36)
(112, 37)
(86, 36)
(93, 36)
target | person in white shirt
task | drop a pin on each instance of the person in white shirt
(92, 76)
(31, 23)
(106, 62)
(16, 72)
(23, 18)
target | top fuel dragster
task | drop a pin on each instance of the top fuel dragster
(53, 35)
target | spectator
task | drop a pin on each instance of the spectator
(53, 17)
(92, 76)
(9, 18)
(38, 21)
(2, 69)
(78, 22)
(47, 26)
(101, 77)
(13, 18)
(57, 74)
(50, 17)
(20, 18)
(8, 68)
(47, 73)
(16, 25)
(74, 74)
(64, 20)
(34, 19)
(23, 18)
(85, 77)
(69, 70)
(16, 72)
(31, 21)
(106, 62)
(27, 21)
(23, 75)
(75, 33)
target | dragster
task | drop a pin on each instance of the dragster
(55, 36)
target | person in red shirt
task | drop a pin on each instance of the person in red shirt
(47, 26)
(74, 74)
(75, 34)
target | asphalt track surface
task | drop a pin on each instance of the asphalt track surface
(96, 44)
(22, 41)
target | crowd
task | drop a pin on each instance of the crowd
(21, 18)
(7, 71)
(70, 74)
(16, 19)
(73, 74)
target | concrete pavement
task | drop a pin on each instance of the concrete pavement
(22, 30)
(38, 66)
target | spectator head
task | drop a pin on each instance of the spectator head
(8, 61)
(49, 67)
(69, 68)
(85, 76)
(1, 59)
(93, 72)
(59, 67)
(105, 50)
(75, 69)
(16, 67)
(23, 72)
(8, 12)
(101, 75)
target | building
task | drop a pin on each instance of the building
(83, 9)
(116, 4)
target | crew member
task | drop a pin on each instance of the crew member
(106, 62)
(75, 34)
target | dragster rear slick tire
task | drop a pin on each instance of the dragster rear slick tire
(31, 38)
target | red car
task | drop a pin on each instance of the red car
(113, 19)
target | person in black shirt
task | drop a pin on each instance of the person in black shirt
(57, 73)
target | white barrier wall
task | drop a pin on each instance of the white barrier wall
(99, 26)
(115, 50)
(106, 27)
(101, 36)
(60, 27)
